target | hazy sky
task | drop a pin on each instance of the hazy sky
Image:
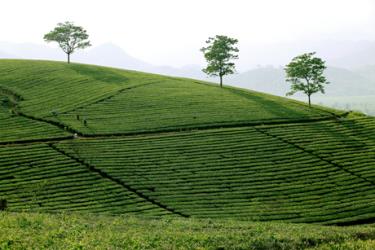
(171, 32)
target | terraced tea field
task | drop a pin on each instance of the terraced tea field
(101, 140)
(18, 128)
(244, 172)
(174, 104)
(38, 178)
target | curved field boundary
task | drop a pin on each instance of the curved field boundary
(17, 97)
(55, 123)
(58, 124)
(208, 126)
(67, 128)
(150, 132)
(30, 141)
(8, 92)
(21, 128)
(107, 176)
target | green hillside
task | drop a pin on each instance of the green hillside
(117, 101)
(102, 140)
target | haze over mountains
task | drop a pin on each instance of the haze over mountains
(351, 65)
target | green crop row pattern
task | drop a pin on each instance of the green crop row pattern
(96, 100)
(16, 128)
(244, 173)
(38, 178)
(176, 104)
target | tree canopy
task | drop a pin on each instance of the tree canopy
(219, 53)
(69, 37)
(305, 73)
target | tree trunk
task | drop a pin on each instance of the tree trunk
(309, 101)
(68, 57)
(221, 81)
(308, 91)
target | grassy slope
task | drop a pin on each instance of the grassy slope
(40, 88)
(37, 178)
(52, 86)
(15, 128)
(179, 103)
(117, 101)
(305, 172)
(73, 231)
(301, 173)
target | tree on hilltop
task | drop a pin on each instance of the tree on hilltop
(305, 73)
(219, 53)
(69, 37)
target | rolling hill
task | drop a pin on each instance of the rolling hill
(102, 140)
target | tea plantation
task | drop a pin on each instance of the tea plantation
(93, 140)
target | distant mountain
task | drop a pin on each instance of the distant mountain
(111, 55)
(189, 71)
(5, 55)
(343, 82)
(106, 54)
(264, 79)
(31, 51)
(363, 56)
(367, 72)
(348, 83)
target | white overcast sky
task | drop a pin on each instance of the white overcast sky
(171, 32)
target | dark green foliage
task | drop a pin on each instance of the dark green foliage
(3, 204)
(219, 53)
(69, 37)
(305, 73)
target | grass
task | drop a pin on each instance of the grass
(77, 231)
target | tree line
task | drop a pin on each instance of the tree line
(304, 72)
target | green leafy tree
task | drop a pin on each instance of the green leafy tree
(219, 53)
(69, 37)
(305, 73)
